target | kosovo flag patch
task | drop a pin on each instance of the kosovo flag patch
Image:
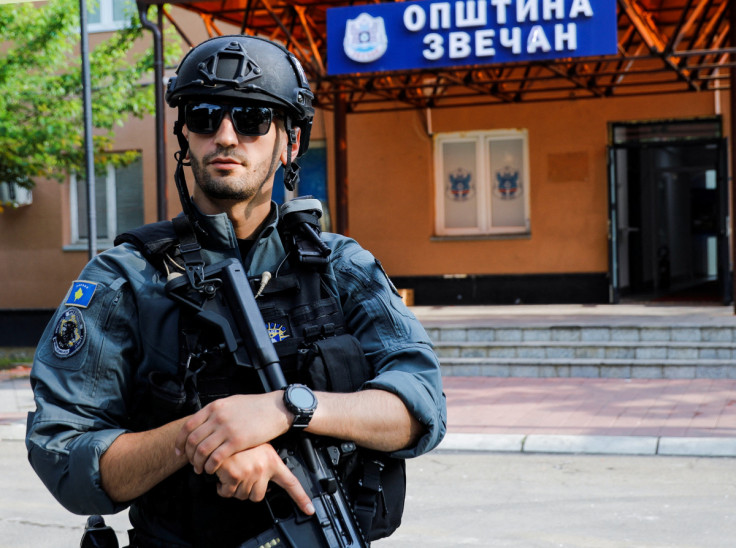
(81, 293)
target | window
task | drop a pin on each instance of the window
(109, 15)
(482, 183)
(119, 203)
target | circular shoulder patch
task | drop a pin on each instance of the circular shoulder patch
(69, 333)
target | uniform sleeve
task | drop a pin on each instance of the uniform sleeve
(80, 380)
(393, 340)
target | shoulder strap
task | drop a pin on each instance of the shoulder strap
(152, 240)
(190, 250)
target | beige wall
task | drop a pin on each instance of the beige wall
(391, 194)
(32, 265)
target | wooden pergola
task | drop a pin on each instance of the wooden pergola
(664, 46)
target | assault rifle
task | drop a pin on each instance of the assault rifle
(224, 300)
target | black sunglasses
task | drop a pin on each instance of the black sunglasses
(205, 118)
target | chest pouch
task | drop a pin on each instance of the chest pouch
(334, 363)
(375, 482)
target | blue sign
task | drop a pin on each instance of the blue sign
(435, 34)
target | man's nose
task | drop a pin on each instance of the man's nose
(226, 135)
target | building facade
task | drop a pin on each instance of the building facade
(566, 201)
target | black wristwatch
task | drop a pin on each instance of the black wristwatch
(301, 402)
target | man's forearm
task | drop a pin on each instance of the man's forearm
(136, 462)
(375, 419)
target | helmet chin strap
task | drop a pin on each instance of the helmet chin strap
(291, 168)
(180, 179)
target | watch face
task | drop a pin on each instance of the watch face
(301, 397)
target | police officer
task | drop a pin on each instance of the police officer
(105, 434)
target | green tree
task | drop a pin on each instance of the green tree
(41, 115)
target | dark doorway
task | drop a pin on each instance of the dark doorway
(669, 206)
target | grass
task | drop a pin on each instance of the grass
(13, 357)
(10, 363)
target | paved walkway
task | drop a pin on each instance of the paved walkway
(576, 415)
(576, 314)
(579, 415)
(570, 415)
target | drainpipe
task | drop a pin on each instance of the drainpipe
(341, 164)
(732, 139)
(158, 72)
(89, 155)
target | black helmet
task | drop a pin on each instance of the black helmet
(246, 67)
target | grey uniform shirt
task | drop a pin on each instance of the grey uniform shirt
(116, 325)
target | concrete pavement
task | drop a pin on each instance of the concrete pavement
(577, 314)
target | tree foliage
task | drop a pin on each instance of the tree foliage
(41, 111)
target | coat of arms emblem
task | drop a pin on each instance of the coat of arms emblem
(507, 185)
(460, 187)
(365, 38)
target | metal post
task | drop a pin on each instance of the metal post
(158, 74)
(341, 165)
(732, 96)
(89, 155)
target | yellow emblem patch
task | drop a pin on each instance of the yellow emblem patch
(276, 332)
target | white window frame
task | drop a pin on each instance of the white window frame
(108, 23)
(483, 183)
(112, 211)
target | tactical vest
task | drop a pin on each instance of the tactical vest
(308, 330)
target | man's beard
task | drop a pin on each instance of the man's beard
(229, 187)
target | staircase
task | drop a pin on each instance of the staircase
(633, 349)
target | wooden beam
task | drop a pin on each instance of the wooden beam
(341, 165)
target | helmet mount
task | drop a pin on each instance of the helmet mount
(233, 59)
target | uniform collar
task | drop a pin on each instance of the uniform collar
(217, 231)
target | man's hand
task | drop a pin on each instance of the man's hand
(375, 419)
(245, 476)
(230, 425)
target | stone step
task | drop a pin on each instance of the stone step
(589, 368)
(631, 350)
(623, 341)
(584, 333)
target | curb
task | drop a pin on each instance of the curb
(591, 445)
(20, 371)
(13, 432)
(543, 443)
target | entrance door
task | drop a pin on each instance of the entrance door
(668, 205)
